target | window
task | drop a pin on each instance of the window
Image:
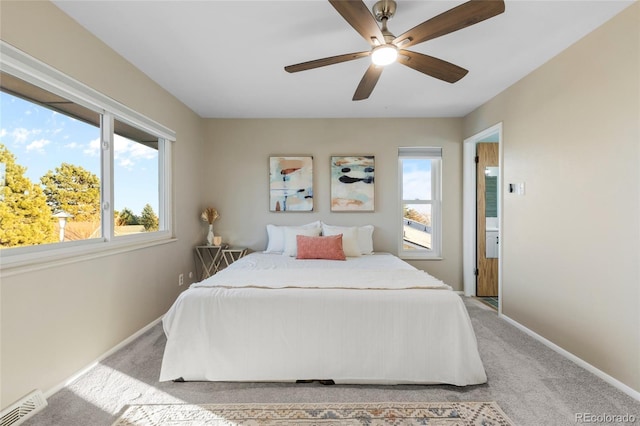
(420, 172)
(50, 171)
(77, 169)
(135, 180)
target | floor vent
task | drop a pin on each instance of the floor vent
(23, 409)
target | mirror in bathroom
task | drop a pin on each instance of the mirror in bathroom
(491, 212)
(491, 192)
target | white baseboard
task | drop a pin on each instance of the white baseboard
(571, 357)
(117, 347)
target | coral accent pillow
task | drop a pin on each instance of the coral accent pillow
(320, 247)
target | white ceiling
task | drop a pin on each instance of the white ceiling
(226, 58)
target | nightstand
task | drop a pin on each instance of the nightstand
(231, 254)
(209, 258)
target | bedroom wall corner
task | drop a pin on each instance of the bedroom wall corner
(571, 244)
(56, 321)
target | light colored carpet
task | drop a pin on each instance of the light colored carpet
(532, 384)
(354, 414)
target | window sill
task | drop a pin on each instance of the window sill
(419, 257)
(44, 259)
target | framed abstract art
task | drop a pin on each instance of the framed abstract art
(290, 184)
(352, 183)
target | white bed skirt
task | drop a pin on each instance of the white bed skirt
(344, 335)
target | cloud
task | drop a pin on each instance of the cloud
(128, 153)
(21, 135)
(38, 146)
(94, 148)
(139, 151)
(126, 163)
(3, 133)
(72, 145)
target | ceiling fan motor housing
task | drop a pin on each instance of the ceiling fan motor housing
(384, 9)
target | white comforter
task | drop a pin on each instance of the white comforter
(372, 319)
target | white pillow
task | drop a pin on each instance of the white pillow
(275, 236)
(290, 241)
(364, 236)
(349, 238)
(365, 239)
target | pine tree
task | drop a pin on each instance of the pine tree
(148, 219)
(25, 217)
(75, 190)
(126, 217)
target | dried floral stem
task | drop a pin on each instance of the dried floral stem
(209, 215)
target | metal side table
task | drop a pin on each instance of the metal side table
(209, 258)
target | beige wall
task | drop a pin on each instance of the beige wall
(237, 176)
(57, 320)
(572, 243)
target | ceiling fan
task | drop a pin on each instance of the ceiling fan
(387, 48)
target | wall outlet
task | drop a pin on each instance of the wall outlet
(180, 279)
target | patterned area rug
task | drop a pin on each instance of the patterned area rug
(372, 414)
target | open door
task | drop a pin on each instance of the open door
(487, 237)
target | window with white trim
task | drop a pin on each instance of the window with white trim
(77, 169)
(420, 175)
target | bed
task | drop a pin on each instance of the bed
(367, 319)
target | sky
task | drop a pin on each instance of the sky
(42, 139)
(416, 174)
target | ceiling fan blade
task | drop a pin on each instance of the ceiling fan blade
(368, 82)
(357, 14)
(325, 61)
(429, 65)
(455, 19)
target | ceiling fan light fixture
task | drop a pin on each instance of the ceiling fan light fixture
(386, 48)
(384, 55)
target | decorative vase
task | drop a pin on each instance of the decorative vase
(210, 235)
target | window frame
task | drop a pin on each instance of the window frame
(435, 155)
(19, 259)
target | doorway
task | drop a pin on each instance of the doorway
(487, 229)
(475, 236)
